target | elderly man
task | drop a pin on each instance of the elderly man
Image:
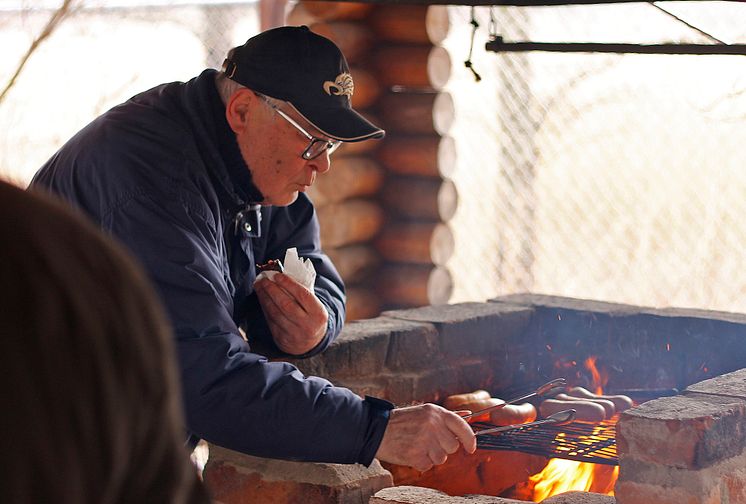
(202, 181)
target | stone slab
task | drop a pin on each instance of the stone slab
(545, 301)
(234, 478)
(580, 498)
(419, 495)
(691, 432)
(640, 493)
(472, 328)
(363, 348)
(729, 385)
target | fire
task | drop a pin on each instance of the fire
(567, 475)
(562, 475)
(599, 378)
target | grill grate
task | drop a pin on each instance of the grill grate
(577, 441)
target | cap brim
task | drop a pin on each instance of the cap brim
(340, 124)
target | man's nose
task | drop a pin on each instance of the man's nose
(322, 163)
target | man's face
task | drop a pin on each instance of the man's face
(272, 148)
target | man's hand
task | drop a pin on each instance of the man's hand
(295, 315)
(423, 436)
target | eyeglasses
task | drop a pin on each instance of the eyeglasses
(317, 146)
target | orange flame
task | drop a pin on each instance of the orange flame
(599, 378)
(562, 475)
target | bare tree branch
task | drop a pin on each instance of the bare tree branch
(68, 7)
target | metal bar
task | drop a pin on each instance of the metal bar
(579, 442)
(515, 3)
(498, 45)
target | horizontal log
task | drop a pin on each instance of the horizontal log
(420, 198)
(367, 88)
(309, 12)
(426, 113)
(364, 148)
(349, 177)
(348, 222)
(353, 39)
(413, 24)
(422, 155)
(417, 66)
(362, 303)
(416, 242)
(355, 263)
(404, 286)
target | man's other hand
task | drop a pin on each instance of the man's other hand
(296, 317)
(423, 436)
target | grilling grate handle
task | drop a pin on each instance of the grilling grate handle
(560, 418)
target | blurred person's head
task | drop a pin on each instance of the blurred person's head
(91, 406)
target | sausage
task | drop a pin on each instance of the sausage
(479, 406)
(608, 406)
(512, 414)
(621, 402)
(586, 411)
(457, 402)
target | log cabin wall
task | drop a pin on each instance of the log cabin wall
(384, 207)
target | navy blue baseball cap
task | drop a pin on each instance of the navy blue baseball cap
(296, 65)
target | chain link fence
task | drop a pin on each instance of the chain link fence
(612, 177)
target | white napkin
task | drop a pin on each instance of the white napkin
(299, 269)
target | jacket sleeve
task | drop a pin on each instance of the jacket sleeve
(233, 397)
(297, 226)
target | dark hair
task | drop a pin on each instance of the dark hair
(91, 406)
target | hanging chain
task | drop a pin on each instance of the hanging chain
(468, 63)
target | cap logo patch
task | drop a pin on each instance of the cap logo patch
(342, 85)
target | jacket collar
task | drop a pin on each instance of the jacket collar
(227, 165)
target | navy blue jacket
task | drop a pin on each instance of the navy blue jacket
(162, 172)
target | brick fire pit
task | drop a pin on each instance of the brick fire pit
(688, 448)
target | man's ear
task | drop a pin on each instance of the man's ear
(238, 109)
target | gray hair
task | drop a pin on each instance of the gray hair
(226, 87)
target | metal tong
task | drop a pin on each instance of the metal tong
(549, 389)
(560, 418)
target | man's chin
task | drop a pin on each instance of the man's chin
(284, 200)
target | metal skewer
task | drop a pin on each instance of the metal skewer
(549, 389)
(560, 418)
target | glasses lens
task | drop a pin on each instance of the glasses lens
(318, 146)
